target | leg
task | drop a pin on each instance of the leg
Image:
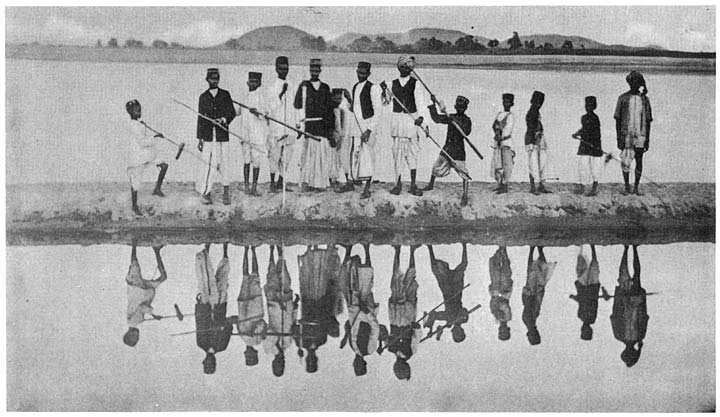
(133, 253)
(432, 254)
(530, 259)
(533, 168)
(366, 191)
(397, 157)
(542, 163)
(246, 176)
(256, 174)
(204, 184)
(431, 184)
(368, 262)
(638, 169)
(161, 177)
(411, 264)
(246, 270)
(413, 188)
(255, 269)
(133, 197)
(464, 198)
(541, 254)
(412, 150)
(636, 266)
(624, 274)
(159, 261)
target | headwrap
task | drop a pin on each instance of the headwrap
(537, 97)
(364, 65)
(131, 103)
(462, 100)
(636, 77)
(255, 76)
(591, 100)
(212, 71)
(315, 62)
(281, 60)
(508, 96)
(408, 61)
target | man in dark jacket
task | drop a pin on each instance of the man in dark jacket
(535, 144)
(215, 104)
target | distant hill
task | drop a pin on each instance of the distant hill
(404, 38)
(270, 38)
(558, 40)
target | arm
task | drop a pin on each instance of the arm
(229, 109)
(648, 120)
(298, 104)
(436, 117)
(200, 120)
(618, 123)
(376, 99)
(509, 123)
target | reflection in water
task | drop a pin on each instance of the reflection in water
(141, 293)
(501, 285)
(588, 290)
(327, 283)
(213, 329)
(539, 272)
(629, 314)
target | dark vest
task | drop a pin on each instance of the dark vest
(406, 95)
(365, 100)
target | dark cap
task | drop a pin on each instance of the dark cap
(591, 100)
(282, 60)
(131, 104)
(508, 96)
(462, 100)
(635, 76)
(315, 62)
(336, 91)
(213, 71)
(538, 97)
(364, 65)
(255, 76)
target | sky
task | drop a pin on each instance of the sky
(688, 28)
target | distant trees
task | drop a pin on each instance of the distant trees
(313, 43)
(493, 43)
(132, 43)
(232, 44)
(362, 44)
(159, 44)
(365, 44)
(469, 44)
(515, 42)
(548, 46)
(567, 45)
(112, 43)
(98, 44)
(530, 45)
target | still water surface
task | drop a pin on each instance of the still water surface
(67, 306)
(65, 120)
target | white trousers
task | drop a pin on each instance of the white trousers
(280, 153)
(406, 150)
(589, 168)
(537, 162)
(217, 164)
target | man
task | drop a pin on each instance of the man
(215, 104)
(404, 132)
(213, 328)
(451, 282)
(364, 106)
(281, 308)
(587, 285)
(633, 116)
(454, 142)
(314, 98)
(501, 286)
(590, 151)
(629, 316)
(251, 323)
(280, 139)
(254, 128)
(340, 161)
(535, 144)
(502, 163)
(405, 332)
(141, 293)
(362, 328)
(143, 154)
(539, 272)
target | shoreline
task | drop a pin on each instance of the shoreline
(52, 214)
(530, 62)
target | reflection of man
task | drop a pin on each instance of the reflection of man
(629, 317)
(251, 323)
(141, 293)
(282, 310)
(280, 139)
(588, 288)
(362, 328)
(213, 328)
(501, 285)
(451, 282)
(405, 332)
(539, 272)
(318, 269)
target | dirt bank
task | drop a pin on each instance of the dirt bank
(100, 213)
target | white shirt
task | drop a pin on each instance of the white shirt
(364, 124)
(507, 130)
(281, 109)
(254, 127)
(419, 97)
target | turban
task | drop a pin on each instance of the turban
(255, 76)
(508, 96)
(591, 100)
(462, 100)
(408, 61)
(315, 62)
(281, 60)
(364, 65)
(131, 104)
(537, 97)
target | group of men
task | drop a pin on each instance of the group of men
(336, 132)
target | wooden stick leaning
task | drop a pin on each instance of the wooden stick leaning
(453, 122)
(181, 147)
(243, 140)
(281, 123)
(439, 330)
(609, 156)
(462, 172)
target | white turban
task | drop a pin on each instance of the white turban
(408, 61)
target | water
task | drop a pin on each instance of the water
(65, 119)
(66, 317)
